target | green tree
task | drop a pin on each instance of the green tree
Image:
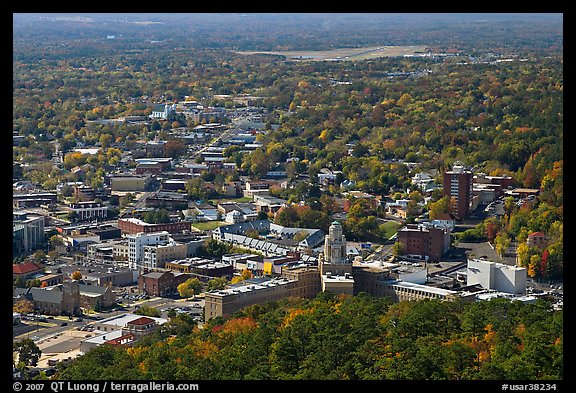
(28, 352)
(217, 283)
(148, 311)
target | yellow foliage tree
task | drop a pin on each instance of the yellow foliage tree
(533, 265)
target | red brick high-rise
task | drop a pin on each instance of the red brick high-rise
(458, 186)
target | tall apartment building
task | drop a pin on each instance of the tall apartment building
(136, 245)
(458, 186)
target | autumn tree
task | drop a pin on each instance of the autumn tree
(244, 275)
(441, 206)
(23, 306)
(190, 288)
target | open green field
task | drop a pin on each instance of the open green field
(390, 227)
(346, 53)
(208, 225)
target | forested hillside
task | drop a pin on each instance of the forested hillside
(345, 338)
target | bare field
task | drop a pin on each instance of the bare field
(346, 53)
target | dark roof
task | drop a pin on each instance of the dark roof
(92, 288)
(40, 294)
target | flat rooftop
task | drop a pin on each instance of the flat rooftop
(250, 287)
(122, 319)
(423, 288)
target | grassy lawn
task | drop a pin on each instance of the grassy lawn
(239, 200)
(209, 225)
(391, 227)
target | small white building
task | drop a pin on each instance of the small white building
(162, 111)
(234, 217)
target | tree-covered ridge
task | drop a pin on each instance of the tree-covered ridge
(346, 338)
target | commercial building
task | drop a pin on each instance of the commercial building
(27, 232)
(226, 301)
(34, 199)
(496, 276)
(201, 267)
(425, 242)
(160, 283)
(131, 226)
(129, 183)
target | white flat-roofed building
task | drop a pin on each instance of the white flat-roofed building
(341, 284)
(120, 321)
(136, 245)
(496, 276)
(489, 295)
(413, 274)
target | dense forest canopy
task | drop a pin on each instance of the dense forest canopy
(345, 338)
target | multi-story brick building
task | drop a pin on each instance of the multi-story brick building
(131, 226)
(160, 283)
(429, 243)
(226, 301)
(458, 186)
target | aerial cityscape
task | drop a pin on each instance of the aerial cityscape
(287, 196)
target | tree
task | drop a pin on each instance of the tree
(77, 275)
(441, 206)
(217, 283)
(174, 148)
(246, 274)
(56, 240)
(39, 256)
(23, 306)
(398, 249)
(190, 287)
(148, 311)
(28, 352)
